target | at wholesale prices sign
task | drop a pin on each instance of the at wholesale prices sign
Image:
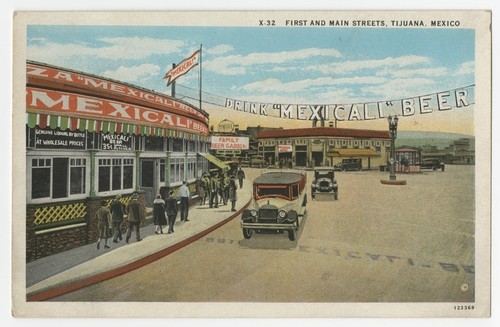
(229, 143)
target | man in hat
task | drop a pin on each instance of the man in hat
(241, 176)
(232, 192)
(185, 195)
(136, 212)
(214, 190)
(171, 209)
(117, 210)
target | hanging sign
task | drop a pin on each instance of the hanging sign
(424, 104)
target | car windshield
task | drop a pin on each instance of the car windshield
(323, 175)
(272, 191)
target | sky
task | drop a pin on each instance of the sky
(289, 65)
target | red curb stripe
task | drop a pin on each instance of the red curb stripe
(88, 281)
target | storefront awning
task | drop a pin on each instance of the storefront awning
(91, 125)
(215, 161)
(352, 153)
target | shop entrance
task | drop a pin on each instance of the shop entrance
(317, 158)
(285, 159)
(148, 181)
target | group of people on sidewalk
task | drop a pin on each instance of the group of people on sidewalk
(219, 187)
(109, 220)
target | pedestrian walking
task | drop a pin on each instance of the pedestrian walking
(205, 185)
(159, 218)
(103, 217)
(233, 192)
(224, 187)
(117, 211)
(171, 208)
(214, 191)
(241, 176)
(136, 213)
(185, 196)
(201, 190)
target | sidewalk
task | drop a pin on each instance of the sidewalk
(64, 272)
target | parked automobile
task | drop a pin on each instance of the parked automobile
(245, 162)
(348, 164)
(432, 163)
(257, 161)
(278, 202)
(324, 183)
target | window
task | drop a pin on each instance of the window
(77, 176)
(163, 167)
(115, 174)
(178, 145)
(191, 146)
(202, 166)
(191, 168)
(176, 170)
(57, 178)
(40, 178)
(153, 143)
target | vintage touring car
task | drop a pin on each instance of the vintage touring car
(324, 183)
(278, 202)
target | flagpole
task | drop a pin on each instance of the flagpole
(201, 47)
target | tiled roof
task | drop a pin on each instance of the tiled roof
(324, 132)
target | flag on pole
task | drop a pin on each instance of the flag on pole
(183, 67)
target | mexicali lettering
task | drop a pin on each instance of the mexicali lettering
(101, 84)
(78, 105)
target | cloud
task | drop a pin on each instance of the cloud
(351, 66)
(219, 49)
(397, 88)
(275, 85)
(133, 74)
(120, 48)
(238, 64)
(466, 68)
(406, 73)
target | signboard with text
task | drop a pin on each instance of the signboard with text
(56, 139)
(229, 143)
(116, 142)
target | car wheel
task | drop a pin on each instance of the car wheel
(292, 234)
(247, 233)
(434, 168)
(336, 196)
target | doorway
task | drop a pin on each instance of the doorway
(148, 181)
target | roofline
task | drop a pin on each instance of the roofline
(324, 131)
(118, 82)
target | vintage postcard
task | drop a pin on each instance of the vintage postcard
(252, 164)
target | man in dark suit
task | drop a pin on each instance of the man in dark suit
(171, 209)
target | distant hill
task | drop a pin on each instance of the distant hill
(419, 139)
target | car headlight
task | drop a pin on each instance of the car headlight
(282, 214)
(313, 185)
(330, 184)
(253, 213)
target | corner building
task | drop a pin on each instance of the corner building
(89, 138)
(325, 146)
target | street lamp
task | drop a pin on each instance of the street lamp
(393, 129)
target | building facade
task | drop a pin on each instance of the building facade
(89, 138)
(324, 146)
